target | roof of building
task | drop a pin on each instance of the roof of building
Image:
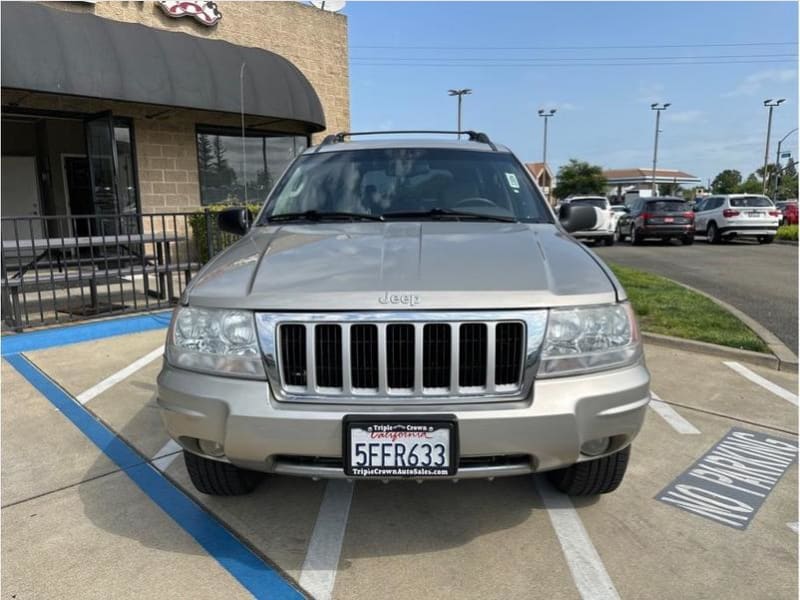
(536, 169)
(645, 175)
(61, 52)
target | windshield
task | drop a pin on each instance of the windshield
(750, 202)
(428, 181)
(667, 206)
(597, 202)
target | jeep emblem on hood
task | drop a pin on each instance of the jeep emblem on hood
(406, 299)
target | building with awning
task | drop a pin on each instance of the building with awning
(621, 181)
(143, 107)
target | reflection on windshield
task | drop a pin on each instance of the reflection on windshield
(409, 180)
(750, 202)
(668, 206)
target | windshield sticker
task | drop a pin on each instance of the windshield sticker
(512, 181)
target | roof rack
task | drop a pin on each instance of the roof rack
(473, 136)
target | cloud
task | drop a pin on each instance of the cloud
(754, 82)
(686, 116)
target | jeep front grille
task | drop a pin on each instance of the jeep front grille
(411, 356)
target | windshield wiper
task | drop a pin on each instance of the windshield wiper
(446, 212)
(315, 215)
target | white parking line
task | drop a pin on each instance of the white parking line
(588, 572)
(114, 379)
(794, 527)
(322, 557)
(165, 457)
(671, 416)
(765, 383)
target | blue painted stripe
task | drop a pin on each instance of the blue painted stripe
(248, 568)
(73, 334)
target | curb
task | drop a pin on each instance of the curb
(787, 360)
(755, 358)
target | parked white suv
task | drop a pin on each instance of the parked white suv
(606, 219)
(724, 217)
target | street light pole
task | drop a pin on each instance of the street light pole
(459, 93)
(777, 163)
(771, 105)
(546, 114)
(658, 108)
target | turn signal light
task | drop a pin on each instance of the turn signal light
(689, 215)
(774, 213)
(730, 213)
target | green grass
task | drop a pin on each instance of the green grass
(787, 232)
(667, 308)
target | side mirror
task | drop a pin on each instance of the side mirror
(235, 220)
(577, 218)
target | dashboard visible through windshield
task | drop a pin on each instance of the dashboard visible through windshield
(407, 183)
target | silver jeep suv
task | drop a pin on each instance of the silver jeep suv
(405, 309)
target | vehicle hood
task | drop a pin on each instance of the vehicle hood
(399, 265)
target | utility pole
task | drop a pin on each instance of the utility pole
(546, 114)
(658, 108)
(459, 93)
(778, 163)
(769, 103)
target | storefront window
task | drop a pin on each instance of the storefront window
(236, 170)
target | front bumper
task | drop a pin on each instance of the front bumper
(543, 432)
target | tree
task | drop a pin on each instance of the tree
(727, 182)
(787, 184)
(752, 185)
(579, 177)
(669, 189)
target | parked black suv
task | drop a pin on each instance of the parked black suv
(662, 217)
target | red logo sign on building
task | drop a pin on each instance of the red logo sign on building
(206, 13)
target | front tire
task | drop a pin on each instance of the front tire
(219, 478)
(687, 240)
(599, 476)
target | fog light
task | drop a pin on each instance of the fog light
(595, 447)
(211, 448)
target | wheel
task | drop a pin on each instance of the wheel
(618, 235)
(636, 239)
(687, 240)
(712, 234)
(765, 239)
(219, 478)
(599, 476)
(609, 241)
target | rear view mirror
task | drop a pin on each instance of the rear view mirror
(235, 220)
(577, 218)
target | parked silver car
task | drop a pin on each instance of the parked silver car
(405, 309)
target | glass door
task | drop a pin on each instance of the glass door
(101, 150)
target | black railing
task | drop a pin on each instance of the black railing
(67, 268)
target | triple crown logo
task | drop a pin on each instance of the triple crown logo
(206, 13)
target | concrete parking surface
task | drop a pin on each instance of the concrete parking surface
(77, 524)
(760, 280)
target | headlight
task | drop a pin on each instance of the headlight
(215, 341)
(582, 340)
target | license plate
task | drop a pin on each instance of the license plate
(401, 448)
(756, 213)
(669, 219)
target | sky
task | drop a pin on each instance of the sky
(599, 64)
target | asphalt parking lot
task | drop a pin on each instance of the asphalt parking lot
(760, 280)
(97, 502)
